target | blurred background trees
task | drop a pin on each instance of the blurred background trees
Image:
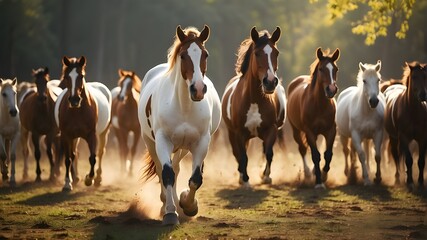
(135, 35)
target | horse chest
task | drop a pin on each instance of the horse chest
(253, 119)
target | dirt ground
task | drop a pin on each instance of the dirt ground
(127, 208)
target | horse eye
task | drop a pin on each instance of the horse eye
(364, 81)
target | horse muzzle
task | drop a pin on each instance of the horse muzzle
(197, 94)
(269, 86)
(373, 102)
(13, 112)
(74, 101)
(331, 90)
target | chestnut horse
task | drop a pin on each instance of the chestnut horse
(406, 119)
(38, 119)
(82, 110)
(9, 128)
(254, 101)
(124, 115)
(179, 110)
(311, 111)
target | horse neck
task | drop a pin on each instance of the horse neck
(410, 96)
(4, 114)
(362, 103)
(180, 88)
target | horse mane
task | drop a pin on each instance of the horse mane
(136, 81)
(407, 71)
(192, 33)
(245, 50)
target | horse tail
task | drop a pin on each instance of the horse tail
(149, 168)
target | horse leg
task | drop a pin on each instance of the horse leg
(404, 145)
(75, 159)
(164, 148)
(58, 155)
(48, 142)
(92, 143)
(268, 143)
(239, 152)
(302, 148)
(366, 145)
(357, 144)
(330, 138)
(25, 152)
(378, 139)
(394, 152)
(187, 200)
(346, 151)
(12, 154)
(67, 147)
(35, 138)
(3, 157)
(123, 146)
(421, 164)
(136, 138)
(101, 150)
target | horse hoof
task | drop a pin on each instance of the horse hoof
(38, 179)
(377, 180)
(67, 188)
(170, 219)
(411, 187)
(245, 185)
(191, 209)
(88, 181)
(97, 182)
(12, 183)
(320, 186)
(367, 183)
(324, 176)
(266, 180)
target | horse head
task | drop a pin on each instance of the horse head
(126, 82)
(369, 75)
(264, 55)
(41, 76)
(8, 94)
(193, 58)
(417, 80)
(73, 79)
(326, 73)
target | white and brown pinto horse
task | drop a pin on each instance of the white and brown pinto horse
(179, 110)
(254, 101)
(9, 128)
(82, 110)
(124, 115)
(360, 117)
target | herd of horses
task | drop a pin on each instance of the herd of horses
(176, 109)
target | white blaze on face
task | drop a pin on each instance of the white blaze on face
(330, 67)
(253, 119)
(270, 72)
(195, 54)
(126, 82)
(73, 75)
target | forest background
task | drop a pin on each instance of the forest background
(135, 35)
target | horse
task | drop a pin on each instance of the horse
(124, 115)
(311, 111)
(82, 110)
(36, 116)
(254, 102)
(179, 110)
(360, 117)
(406, 119)
(9, 128)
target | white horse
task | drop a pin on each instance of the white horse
(360, 116)
(179, 110)
(9, 128)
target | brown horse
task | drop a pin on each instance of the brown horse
(406, 119)
(311, 110)
(124, 115)
(254, 101)
(37, 118)
(82, 110)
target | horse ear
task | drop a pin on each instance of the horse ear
(378, 66)
(336, 55)
(66, 61)
(254, 34)
(82, 61)
(180, 33)
(14, 81)
(120, 72)
(33, 72)
(362, 67)
(1, 80)
(319, 53)
(276, 35)
(204, 35)
(46, 70)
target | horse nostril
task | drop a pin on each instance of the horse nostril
(13, 112)
(205, 89)
(423, 96)
(276, 81)
(192, 89)
(373, 102)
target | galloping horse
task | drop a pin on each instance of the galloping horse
(311, 110)
(9, 128)
(82, 110)
(179, 110)
(360, 116)
(406, 119)
(254, 101)
(37, 118)
(124, 114)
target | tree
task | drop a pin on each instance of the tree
(378, 18)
